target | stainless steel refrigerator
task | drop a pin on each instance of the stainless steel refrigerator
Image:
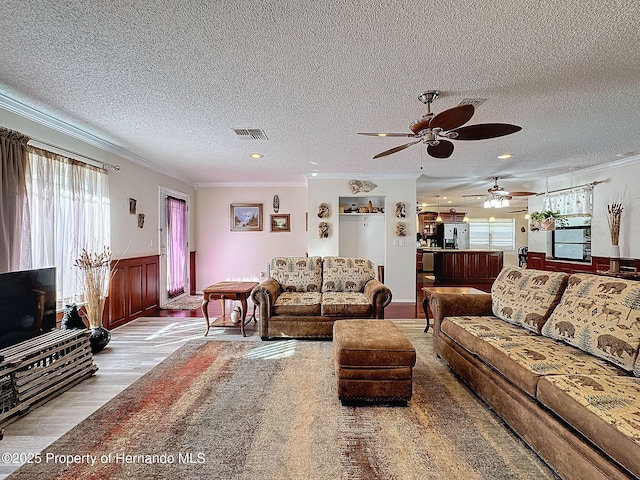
(456, 235)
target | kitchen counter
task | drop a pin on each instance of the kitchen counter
(469, 267)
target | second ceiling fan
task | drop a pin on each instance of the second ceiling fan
(436, 130)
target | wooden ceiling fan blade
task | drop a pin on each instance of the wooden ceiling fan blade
(485, 130)
(452, 118)
(371, 134)
(396, 149)
(443, 149)
(522, 194)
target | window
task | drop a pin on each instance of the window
(573, 242)
(69, 210)
(499, 234)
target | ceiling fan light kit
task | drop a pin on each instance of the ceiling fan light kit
(496, 202)
(498, 197)
(436, 131)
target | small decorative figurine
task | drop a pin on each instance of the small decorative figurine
(323, 230)
(323, 210)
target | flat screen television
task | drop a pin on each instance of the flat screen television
(27, 304)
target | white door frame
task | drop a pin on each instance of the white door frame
(165, 192)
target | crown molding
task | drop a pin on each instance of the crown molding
(363, 176)
(250, 184)
(49, 121)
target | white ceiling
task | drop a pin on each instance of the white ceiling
(167, 81)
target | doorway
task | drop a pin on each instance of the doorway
(174, 245)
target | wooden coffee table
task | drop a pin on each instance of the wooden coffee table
(238, 291)
(428, 291)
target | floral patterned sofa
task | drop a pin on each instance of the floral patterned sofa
(556, 356)
(305, 295)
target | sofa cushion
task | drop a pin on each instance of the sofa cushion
(605, 409)
(346, 274)
(298, 303)
(526, 297)
(345, 304)
(525, 359)
(297, 274)
(600, 315)
(465, 330)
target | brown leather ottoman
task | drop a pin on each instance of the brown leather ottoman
(373, 361)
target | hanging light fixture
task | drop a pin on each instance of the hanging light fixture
(439, 217)
(498, 197)
(496, 200)
(466, 217)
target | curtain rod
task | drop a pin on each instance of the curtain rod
(105, 165)
(592, 184)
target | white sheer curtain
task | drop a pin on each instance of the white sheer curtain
(177, 239)
(69, 208)
(576, 202)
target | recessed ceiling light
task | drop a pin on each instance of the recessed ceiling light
(256, 155)
(505, 156)
(313, 163)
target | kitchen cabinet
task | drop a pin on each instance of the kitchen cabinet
(427, 221)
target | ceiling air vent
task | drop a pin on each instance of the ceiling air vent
(476, 102)
(250, 133)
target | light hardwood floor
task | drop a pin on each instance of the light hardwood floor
(134, 349)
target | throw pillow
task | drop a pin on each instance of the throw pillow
(526, 297)
(346, 274)
(600, 315)
(297, 274)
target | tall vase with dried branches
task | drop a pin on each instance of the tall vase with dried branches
(614, 216)
(95, 268)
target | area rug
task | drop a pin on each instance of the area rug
(188, 302)
(269, 410)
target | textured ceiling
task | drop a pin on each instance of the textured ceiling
(168, 81)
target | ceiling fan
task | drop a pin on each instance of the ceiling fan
(498, 197)
(436, 130)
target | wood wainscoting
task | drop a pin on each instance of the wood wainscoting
(539, 261)
(134, 290)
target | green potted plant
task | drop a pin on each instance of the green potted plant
(547, 220)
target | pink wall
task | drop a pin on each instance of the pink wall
(226, 255)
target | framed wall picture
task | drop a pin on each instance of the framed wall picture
(246, 217)
(281, 223)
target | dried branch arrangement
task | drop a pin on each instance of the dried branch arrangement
(96, 271)
(614, 214)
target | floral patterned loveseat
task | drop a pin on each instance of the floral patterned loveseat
(305, 295)
(556, 356)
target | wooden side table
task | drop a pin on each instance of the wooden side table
(428, 291)
(238, 291)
